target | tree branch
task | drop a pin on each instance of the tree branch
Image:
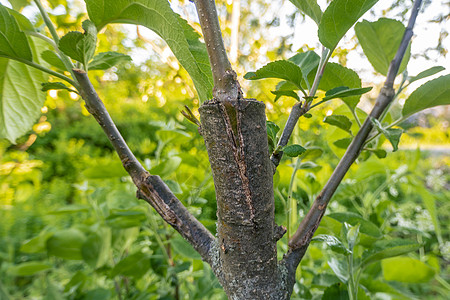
(301, 239)
(226, 86)
(299, 110)
(151, 188)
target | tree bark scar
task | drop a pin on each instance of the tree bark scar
(148, 193)
(232, 116)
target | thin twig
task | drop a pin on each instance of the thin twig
(151, 188)
(299, 109)
(226, 86)
(301, 239)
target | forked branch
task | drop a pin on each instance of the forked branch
(302, 237)
(151, 188)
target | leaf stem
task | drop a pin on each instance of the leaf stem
(66, 61)
(42, 37)
(42, 68)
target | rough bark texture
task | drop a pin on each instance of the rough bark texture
(236, 140)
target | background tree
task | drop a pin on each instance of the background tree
(244, 255)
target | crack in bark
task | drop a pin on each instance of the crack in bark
(238, 150)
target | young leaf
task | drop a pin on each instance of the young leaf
(380, 41)
(20, 87)
(337, 291)
(406, 269)
(429, 72)
(22, 21)
(337, 75)
(353, 236)
(433, 93)
(53, 59)
(334, 243)
(281, 69)
(293, 150)
(66, 243)
(291, 94)
(46, 86)
(343, 91)
(286, 86)
(310, 8)
(13, 42)
(134, 265)
(80, 46)
(339, 17)
(388, 248)
(339, 121)
(343, 143)
(392, 134)
(106, 60)
(28, 268)
(380, 153)
(157, 16)
(307, 61)
(309, 165)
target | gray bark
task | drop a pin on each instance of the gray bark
(236, 140)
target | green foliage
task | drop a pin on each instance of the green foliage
(339, 17)
(339, 121)
(20, 87)
(293, 150)
(310, 8)
(80, 46)
(159, 17)
(106, 60)
(433, 93)
(380, 41)
(13, 41)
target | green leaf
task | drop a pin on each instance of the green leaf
(53, 59)
(106, 60)
(21, 97)
(22, 21)
(339, 17)
(37, 244)
(337, 291)
(343, 143)
(380, 41)
(157, 16)
(46, 86)
(184, 248)
(433, 93)
(340, 268)
(134, 265)
(98, 294)
(126, 218)
(173, 186)
(339, 121)
(380, 153)
(19, 4)
(96, 249)
(309, 165)
(392, 134)
(28, 268)
(307, 61)
(429, 72)
(281, 69)
(13, 41)
(310, 8)
(312, 153)
(343, 91)
(337, 75)
(406, 269)
(272, 130)
(291, 94)
(80, 46)
(286, 86)
(293, 150)
(353, 236)
(369, 232)
(334, 243)
(70, 209)
(66, 244)
(388, 248)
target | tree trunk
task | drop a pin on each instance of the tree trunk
(236, 140)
